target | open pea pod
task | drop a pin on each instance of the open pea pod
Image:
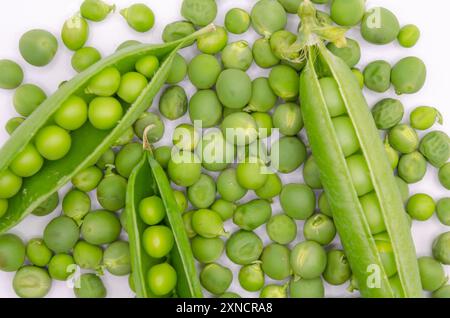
(147, 179)
(88, 143)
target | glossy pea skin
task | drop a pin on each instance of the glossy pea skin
(346, 135)
(372, 211)
(268, 16)
(443, 210)
(284, 81)
(158, 241)
(139, 17)
(263, 98)
(388, 113)
(187, 221)
(27, 163)
(441, 248)
(151, 210)
(239, 128)
(244, 247)
(61, 234)
(105, 112)
(253, 214)
(271, 188)
(228, 186)
(237, 21)
(75, 32)
(72, 114)
(216, 278)
(106, 159)
(308, 259)
(288, 119)
(281, 229)
(111, 192)
(435, 146)
(444, 175)
(87, 256)
(207, 223)
(116, 258)
(306, 288)
(432, 273)
(177, 30)
(131, 86)
(287, 154)
(379, 26)
(162, 155)
(224, 208)
(105, 83)
(408, 36)
(273, 291)
(403, 138)
(31, 282)
(100, 227)
(178, 70)
(350, 54)
(424, 117)
(412, 167)
(213, 42)
(360, 174)
(311, 174)
(338, 269)
(88, 179)
(377, 76)
(421, 206)
(10, 184)
(408, 75)
(162, 279)
(27, 99)
(347, 12)
(3, 207)
(202, 193)
(147, 66)
(251, 174)
(263, 54)
(38, 47)
(76, 204)
(298, 201)
(333, 99)
(207, 250)
(154, 124)
(251, 277)
(216, 152)
(48, 206)
(184, 168)
(205, 106)
(280, 41)
(203, 71)
(53, 142)
(359, 77)
(127, 158)
(237, 55)
(12, 252)
(89, 286)
(11, 74)
(185, 137)
(319, 228)
(324, 206)
(13, 123)
(234, 88)
(61, 266)
(95, 10)
(275, 261)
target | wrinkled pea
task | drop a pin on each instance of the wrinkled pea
(153, 124)
(435, 146)
(173, 102)
(387, 113)
(319, 228)
(412, 167)
(350, 54)
(199, 12)
(177, 30)
(244, 247)
(377, 76)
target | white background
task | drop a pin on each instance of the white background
(16, 17)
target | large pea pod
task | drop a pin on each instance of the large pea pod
(337, 180)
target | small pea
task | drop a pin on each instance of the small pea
(421, 206)
(347, 12)
(100, 227)
(213, 42)
(346, 135)
(31, 282)
(111, 192)
(251, 174)
(412, 167)
(251, 277)
(237, 55)
(333, 99)
(75, 32)
(162, 155)
(158, 240)
(228, 186)
(268, 16)
(424, 117)
(216, 278)
(12, 252)
(403, 138)
(154, 125)
(11, 74)
(13, 123)
(377, 76)
(27, 163)
(432, 273)
(27, 99)
(408, 75)
(275, 261)
(177, 30)
(72, 114)
(338, 269)
(205, 106)
(96, 10)
(253, 214)
(47, 206)
(76, 205)
(271, 188)
(61, 266)
(203, 192)
(105, 83)
(298, 201)
(187, 221)
(147, 65)
(87, 256)
(184, 168)
(203, 71)
(281, 229)
(105, 112)
(288, 154)
(234, 88)
(443, 210)
(216, 152)
(308, 259)
(237, 21)
(178, 70)
(151, 210)
(324, 206)
(263, 99)
(89, 286)
(441, 248)
(53, 142)
(387, 113)
(185, 137)
(207, 250)
(435, 146)
(360, 174)
(88, 179)
(208, 223)
(263, 54)
(350, 54)
(379, 26)
(319, 228)
(61, 234)
(408, 36)
(244, 247)
(372, 211)
(139, 17)
(116, 258)
(288, 119)
(284, 81)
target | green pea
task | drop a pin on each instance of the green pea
(206, 107)
(177, 30)
(111, 192)
(435, 146)
(203, 71)
(47, 206)
(96, 10)
(13, 123)
(338, 269)
(75, 32)
(181, 200)
(72, 114)
(31, 282)
(408, 36)
(284, 81)
(291, 6)
(377, 76)
(244, 247)
(27, 99)
(253, 214)
(274, 291)
(162, 279)
(61, 266)
(3, 207)
(251, 277)
(229, 187)
(38, 47)
(287, 154)
(359, 76)
(288, 119)
(12, 252)
(216, 152)
(346, 135)
(131, 86)
(421, 206)
(441, 248)
(388, 113)
(251, 173)
(126, 138)
(324, 206)
(152, 210)
(263, 98)
(372, 211)
(408, 75)
(281, 229)
(234, 88)
(162, 155)
(208, 223)
(117, 258)
(443, 210)
(107, 159)
(61, 234)
(271, 188)
(360, 174)
(280, 42)
(87, 256)
(139, 17)
(264, 124)
(237, 21)
(76, 204)
(379, 26)
(215, 278)
(105, 83)
(154, 125)
(27, 163)
(213, 42)
(184, 168)
(224, 208)
(332, 95)
(311, 174)
(158, 240)
(432, 274)
(199, 12)
(443, 292)
(412, 167)
(127, 158)
(350, 54)
(444, 175)
(237, 55)
(308, 259)
(88, 179)
(11, 74)
(187, 221)
(203, 192)
(424, 117)
(100, 227)
(347, 12)
(185, 137)
(268, 16)
(178, 70)
(207, 250)
(403, 138)
(386, 252)
(239, 128)
(89, 286)
(127, 44)
(298, 201)
(147, 65)
(263, 55)
(230, 295)
(10, 184)
(319, 228)
(306, 288)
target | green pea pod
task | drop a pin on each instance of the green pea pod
(147, 179)
(88, 143)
